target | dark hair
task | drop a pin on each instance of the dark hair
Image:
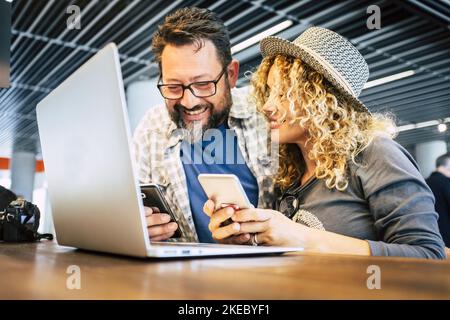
(6, 197)
(192, 25)
(442, 160)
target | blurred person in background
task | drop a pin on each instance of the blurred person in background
(439, 182)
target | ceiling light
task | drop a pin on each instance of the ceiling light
(387, 79)
(424, 124)
(256, 38)
(442, 127)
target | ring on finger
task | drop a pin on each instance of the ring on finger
(254, 239)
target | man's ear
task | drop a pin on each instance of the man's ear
(233, 72)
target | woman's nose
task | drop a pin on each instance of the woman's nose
(269, 107)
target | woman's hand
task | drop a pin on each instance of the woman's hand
(272, 227)
(222, 231)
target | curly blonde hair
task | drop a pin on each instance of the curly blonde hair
(336, 131)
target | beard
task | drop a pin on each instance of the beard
(216, 118)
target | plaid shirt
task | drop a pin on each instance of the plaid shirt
(157, 143)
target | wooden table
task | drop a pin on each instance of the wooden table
(39, 271)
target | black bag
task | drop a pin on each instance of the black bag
(20, 222)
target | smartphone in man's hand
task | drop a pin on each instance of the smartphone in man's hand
(152, 196)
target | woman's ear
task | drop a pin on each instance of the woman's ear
(233, 72)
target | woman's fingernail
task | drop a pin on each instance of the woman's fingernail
(236, 226)
(230, 210)
(173, 226)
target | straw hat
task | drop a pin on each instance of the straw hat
(328, 53)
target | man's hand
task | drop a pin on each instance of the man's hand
(159, 225)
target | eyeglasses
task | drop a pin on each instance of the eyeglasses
(200, 89)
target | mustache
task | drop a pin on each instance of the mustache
(179, 107)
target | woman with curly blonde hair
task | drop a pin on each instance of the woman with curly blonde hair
(345, 185)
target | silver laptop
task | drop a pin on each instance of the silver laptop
(94, 193)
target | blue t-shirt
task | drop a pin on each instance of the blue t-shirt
(217, 152)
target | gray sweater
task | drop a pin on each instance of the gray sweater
(387, 202)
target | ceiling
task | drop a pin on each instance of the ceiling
(414, 35)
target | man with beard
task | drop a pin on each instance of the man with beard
(204, 127)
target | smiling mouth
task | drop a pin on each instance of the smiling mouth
(275, 123)
(195, 111)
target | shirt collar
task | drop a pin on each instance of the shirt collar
(242, 107)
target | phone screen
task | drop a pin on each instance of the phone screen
(224, 189)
